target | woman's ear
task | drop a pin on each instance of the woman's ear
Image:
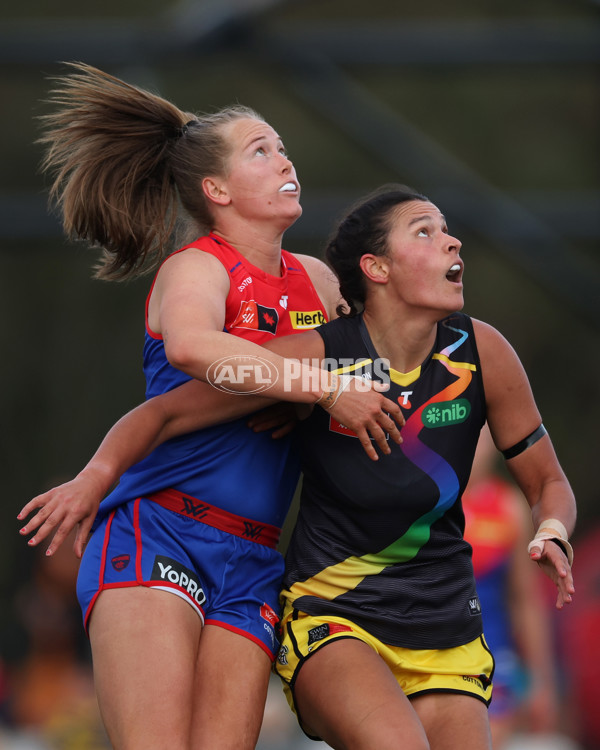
(375, 268)
(215, 192)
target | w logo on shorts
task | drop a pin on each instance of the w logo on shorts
(252, 530)
(197, 510)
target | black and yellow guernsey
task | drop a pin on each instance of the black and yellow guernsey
(381, 542)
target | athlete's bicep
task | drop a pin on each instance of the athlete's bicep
(187, 305)
(196, 404)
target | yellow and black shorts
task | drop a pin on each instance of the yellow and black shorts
(466, 669)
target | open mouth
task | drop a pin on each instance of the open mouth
(289, 187)
(455, 273)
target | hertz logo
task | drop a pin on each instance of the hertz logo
(446, 413)
(302, 320)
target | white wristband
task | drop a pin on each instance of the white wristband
(552, 529)
(345, 381)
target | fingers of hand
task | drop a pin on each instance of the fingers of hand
(557, 558)
(565, 589)
(380, 438)
(379, 387)
(536, 551)
(81, 536)
(367, 444)
(394, 411)
(264, 425)
(563, 597)
(392, 429)
(49, 519)
(58, 538)
(284, 430)
(36, 521)
(50, 524)
(552, 561)
(26, 510)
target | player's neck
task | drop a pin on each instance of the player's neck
(405, 343)
(261, 245)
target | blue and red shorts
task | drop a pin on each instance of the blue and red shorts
(225, 566)
(510, 682)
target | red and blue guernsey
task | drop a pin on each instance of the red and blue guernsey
(228, 465)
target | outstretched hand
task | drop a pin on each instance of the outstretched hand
(61, 509)
(364, 409)
(553, 561)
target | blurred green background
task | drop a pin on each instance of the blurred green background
(490, 108)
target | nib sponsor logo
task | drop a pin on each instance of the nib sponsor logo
(173, 572)
(444, 413)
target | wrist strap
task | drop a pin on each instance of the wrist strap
(553, 524)
(330, 393)
(552, 530)
(328, 399)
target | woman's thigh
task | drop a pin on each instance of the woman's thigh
(145, 648)
(163, 682)
(347, 695)
(231, 682)
(454, 721)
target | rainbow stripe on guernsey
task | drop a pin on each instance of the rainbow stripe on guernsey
(346, 575)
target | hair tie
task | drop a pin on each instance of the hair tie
(180, 132)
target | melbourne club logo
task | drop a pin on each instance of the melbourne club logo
(256, 317)
(120, 562)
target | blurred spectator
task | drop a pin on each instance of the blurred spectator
(542, 742)
(579, 636)
(50, 702)
(516, 618)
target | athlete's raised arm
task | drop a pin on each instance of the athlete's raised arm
(192, 406)
(516, 426)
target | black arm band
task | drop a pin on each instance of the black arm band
(527, 442)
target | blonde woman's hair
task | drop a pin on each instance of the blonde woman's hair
(127, 165)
